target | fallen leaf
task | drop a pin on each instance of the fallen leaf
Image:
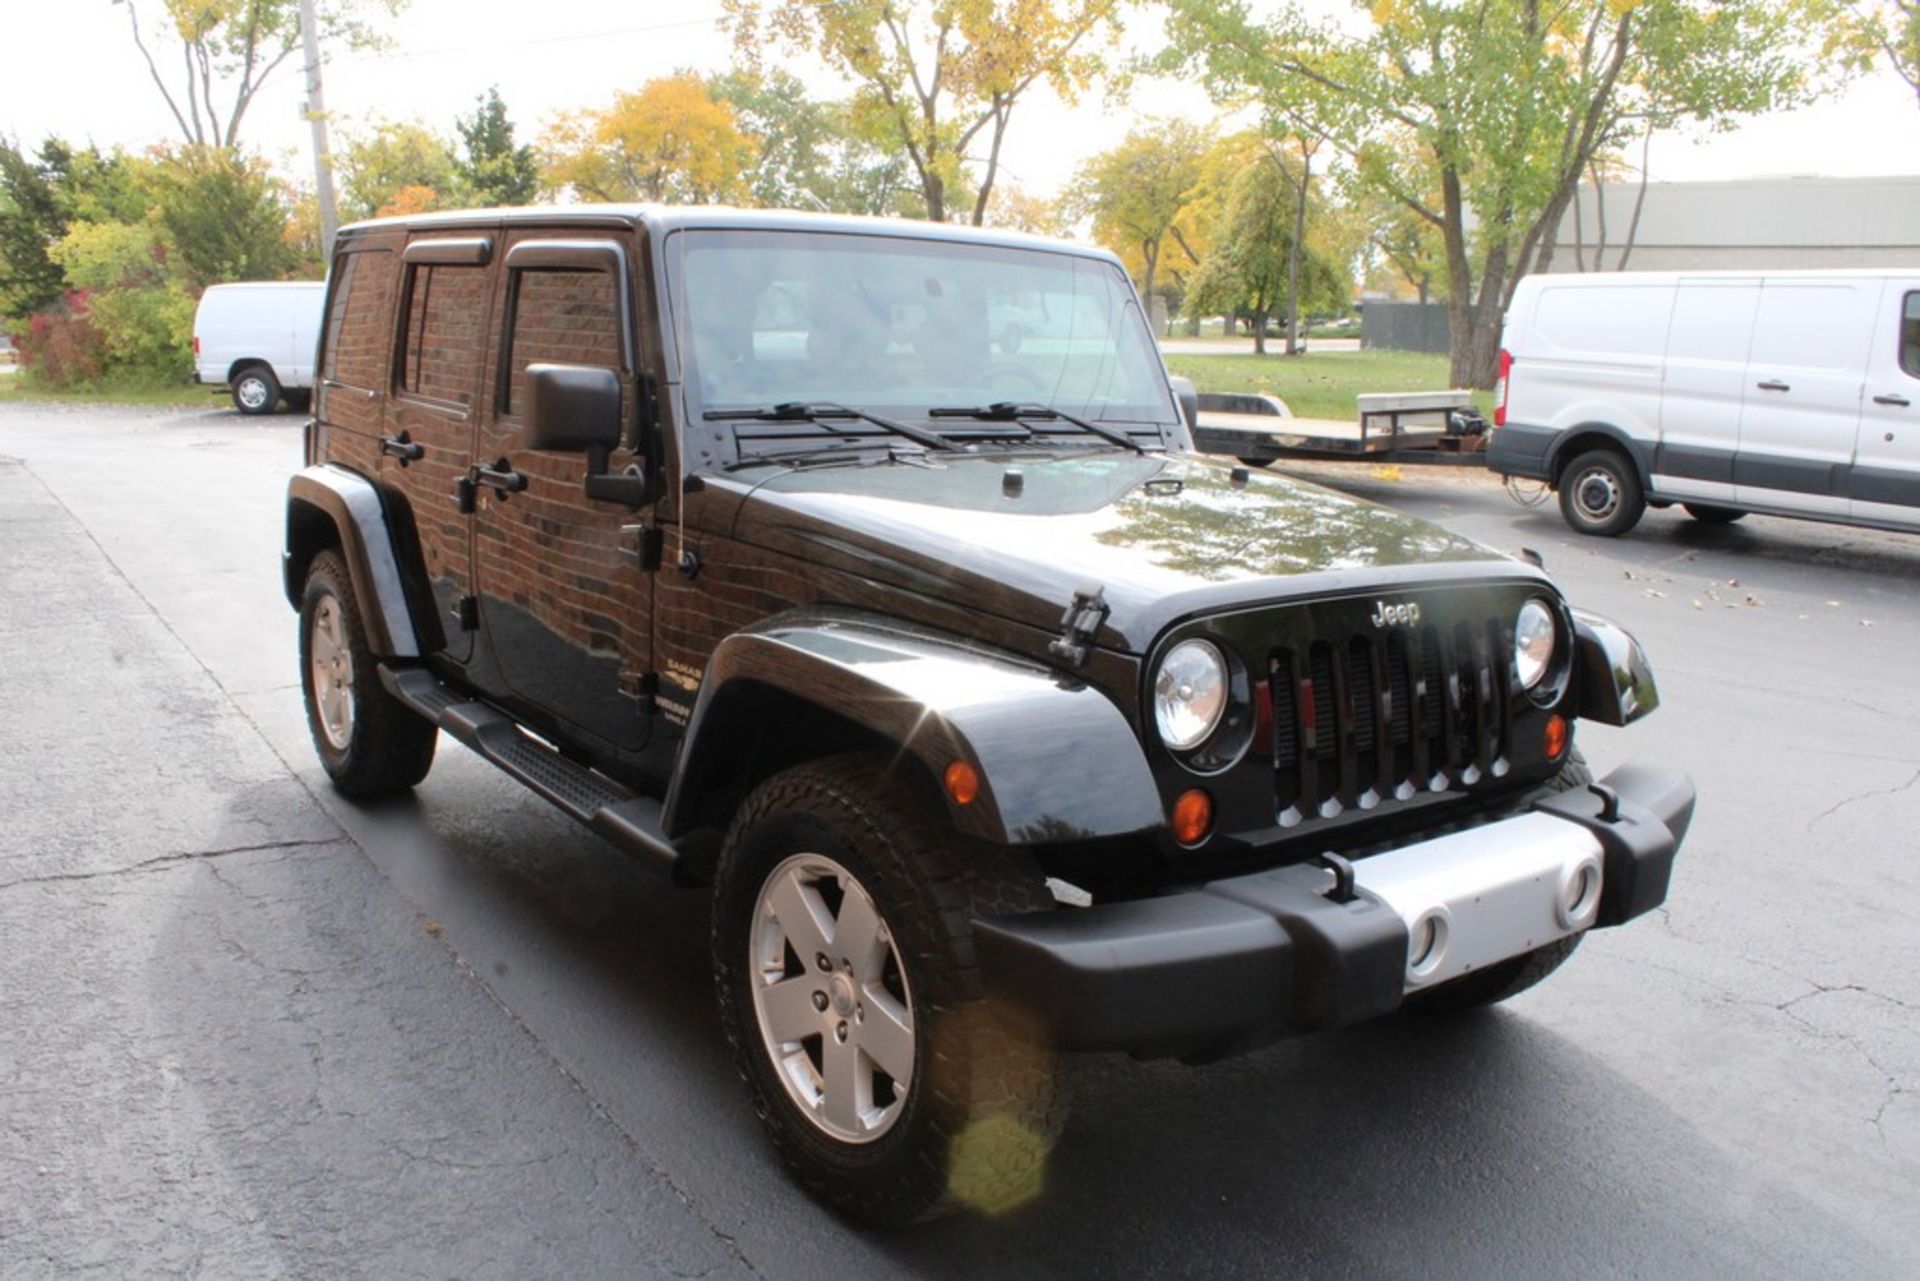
(1698, 605)
(434, 928)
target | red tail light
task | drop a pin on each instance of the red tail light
(196, 344)
(1502, 387)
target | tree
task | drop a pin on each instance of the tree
(936, 77)
(399, 168)
(1138, 192)
(229, 49)
(671, 141)
(1507, 101)
(1864, 31)
(224, 216)
(40, 197)
(1258, 251)
(490, 167)
(810, 153)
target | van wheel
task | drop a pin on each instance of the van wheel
(369, 742)
(256, 390)
(851, 998)
(1713, 515)
(1600, 494)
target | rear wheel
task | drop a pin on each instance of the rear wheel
(256, 390)
(1707, 515)
(368, 741)
(1600, 493)
(843, 955)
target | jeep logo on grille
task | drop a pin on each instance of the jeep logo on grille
(1386, 615)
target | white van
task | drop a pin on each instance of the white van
(257, 339)
(1791, 393)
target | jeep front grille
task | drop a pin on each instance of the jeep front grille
(1370, 719)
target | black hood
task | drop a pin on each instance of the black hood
(1162, 537)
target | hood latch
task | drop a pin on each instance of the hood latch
(1079, 625)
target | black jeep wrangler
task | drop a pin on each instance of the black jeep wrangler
(864, 572)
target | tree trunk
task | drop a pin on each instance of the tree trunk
(1296, 251)
(1226, 325)
(1259, 322)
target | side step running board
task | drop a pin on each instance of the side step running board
(629, 821)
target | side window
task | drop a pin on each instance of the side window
(358, 333)
(446, 325)
(1910, 335)
(559, 316)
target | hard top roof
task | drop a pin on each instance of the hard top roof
(664, 218)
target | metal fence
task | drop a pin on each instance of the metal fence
(1403, 326)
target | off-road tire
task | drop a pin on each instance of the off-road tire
(1600, 494)
(1513, 976)
(1709, 515)
(984, 1107)
(388, 749)
(255, 390)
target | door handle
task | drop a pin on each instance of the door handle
(1899, 401)
(404, 447)
(1774, 384)
(501, 476)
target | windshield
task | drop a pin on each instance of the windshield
(901, 326)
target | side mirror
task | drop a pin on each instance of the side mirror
(1189, 398)
(575, 409)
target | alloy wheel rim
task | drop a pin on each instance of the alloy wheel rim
(332, 669)
(253, 393)
(830, 998)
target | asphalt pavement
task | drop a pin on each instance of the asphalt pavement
(249, 1029)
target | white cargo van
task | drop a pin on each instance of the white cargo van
(257, 340)
(1791, 393)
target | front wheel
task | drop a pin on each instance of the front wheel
(369, 742)
(256, 390)
(843, 954)
(1600, 494)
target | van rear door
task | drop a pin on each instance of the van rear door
(1801, 412)
(1886, 464)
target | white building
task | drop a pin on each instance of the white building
(1778, 223)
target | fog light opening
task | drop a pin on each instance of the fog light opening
(1426, 945)
(1580, 895)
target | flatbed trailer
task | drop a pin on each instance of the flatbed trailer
(1390, 427)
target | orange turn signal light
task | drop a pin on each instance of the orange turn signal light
(1556, 737)
(963, 782)
(1192, 816)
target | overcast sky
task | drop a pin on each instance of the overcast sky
(68, 67)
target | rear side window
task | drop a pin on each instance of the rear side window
(1624, 320)
(359, 320)
(446, 325)
(559, 317)
(1910, 335)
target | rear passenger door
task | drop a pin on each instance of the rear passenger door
(427, 445)
(564, 602)
(1801, 412)
(1886, 468)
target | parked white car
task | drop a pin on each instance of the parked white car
(1789, 393)
(257, 339)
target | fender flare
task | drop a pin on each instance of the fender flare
(1638, 452)
(939, 701)
(1616, 685)
(351, 504)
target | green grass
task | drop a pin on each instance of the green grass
(18, 389)
(1320, 384)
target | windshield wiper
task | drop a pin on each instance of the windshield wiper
(802, 412)
(1006, 411)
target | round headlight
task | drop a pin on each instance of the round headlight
(1534, 636)
(1189, 694)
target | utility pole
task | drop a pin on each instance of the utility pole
(317, 118)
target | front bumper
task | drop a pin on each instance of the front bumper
(1237, 960)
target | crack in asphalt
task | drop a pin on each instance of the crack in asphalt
(162, 861)
(1841, 804)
